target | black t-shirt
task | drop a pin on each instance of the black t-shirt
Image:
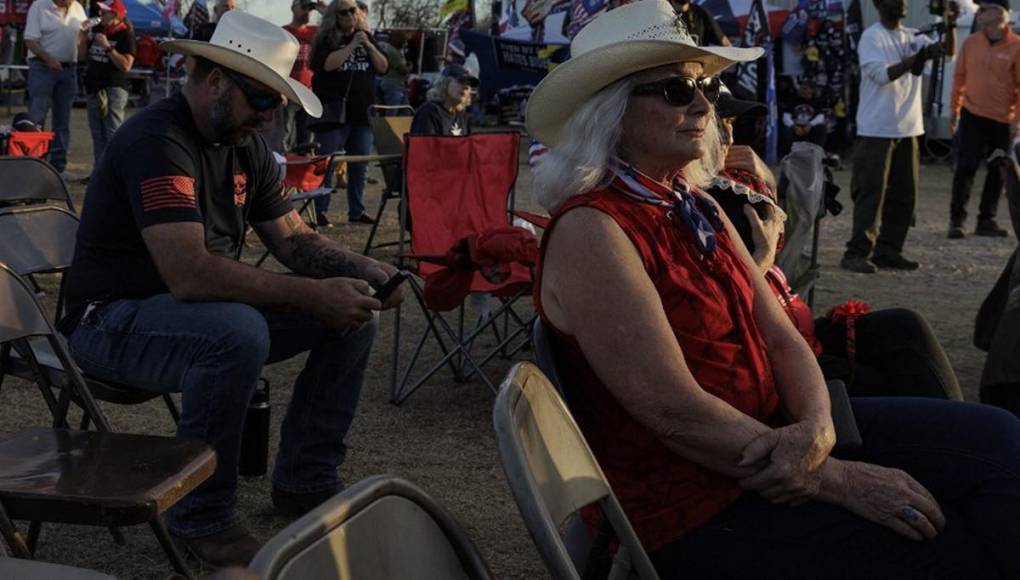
(356, 72)
(703, 28)
(101, 72)
(434, 119)
(158, 169)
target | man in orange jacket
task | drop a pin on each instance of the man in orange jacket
(986, 94)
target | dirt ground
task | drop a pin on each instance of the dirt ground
(442, 437)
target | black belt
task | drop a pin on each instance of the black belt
(63, 64)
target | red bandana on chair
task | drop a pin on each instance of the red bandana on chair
(489, 252)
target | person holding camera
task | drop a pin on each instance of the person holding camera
(345, 60)
(886, 161)
(983, 115)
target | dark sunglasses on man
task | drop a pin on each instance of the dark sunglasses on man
(258, 99)
(679, 91)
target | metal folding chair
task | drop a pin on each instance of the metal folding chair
(18, 568)
(85, 477)
(31, 180)
(458, 187)
(382, 528)
(388, 135)
(553, 474)
(40, 240)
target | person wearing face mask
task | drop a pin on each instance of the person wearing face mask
(111, 53)
(983, 113)
(445, 112)
(889, 352)
(157, 297)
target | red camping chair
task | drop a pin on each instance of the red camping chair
(458, 188)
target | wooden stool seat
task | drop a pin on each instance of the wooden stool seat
(103, 479)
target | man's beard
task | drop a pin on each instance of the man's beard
(225, 128)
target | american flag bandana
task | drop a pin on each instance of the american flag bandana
(695, 212)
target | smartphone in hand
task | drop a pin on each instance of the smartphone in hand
(386, 290)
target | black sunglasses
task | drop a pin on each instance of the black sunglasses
(259, 100)
(679, 91)
(347, 11)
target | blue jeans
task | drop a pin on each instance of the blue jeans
(213, 353)
(393, 94)
(352, 140)
(103, 128)
(46, 88)
(967, 455)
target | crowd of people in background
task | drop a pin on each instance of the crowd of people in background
(645, 280)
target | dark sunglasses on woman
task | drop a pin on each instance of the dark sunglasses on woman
(347, 11)
(259, 100)
(679, 91)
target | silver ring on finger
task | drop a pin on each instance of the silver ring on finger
(910, 515)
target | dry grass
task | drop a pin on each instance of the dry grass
(442, 438)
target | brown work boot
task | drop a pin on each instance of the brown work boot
(234, 546)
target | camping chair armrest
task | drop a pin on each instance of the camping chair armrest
(306, 148)
(532, 218)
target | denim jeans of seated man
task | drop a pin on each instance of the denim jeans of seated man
(213, 353)
(53, 91)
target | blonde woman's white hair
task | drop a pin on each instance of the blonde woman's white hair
(590, 142)
(438, 92)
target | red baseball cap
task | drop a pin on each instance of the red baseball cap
(115, 6)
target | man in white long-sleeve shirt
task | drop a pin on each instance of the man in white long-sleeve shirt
(886, 160)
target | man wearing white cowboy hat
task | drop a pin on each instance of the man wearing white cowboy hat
(157, 298)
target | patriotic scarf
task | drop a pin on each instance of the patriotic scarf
(695, 212)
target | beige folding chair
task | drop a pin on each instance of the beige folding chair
(382, 528)
(553, 474)
(388, 136)
(37, 240)
(85, 477)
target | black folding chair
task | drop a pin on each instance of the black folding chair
(40, 240)
(83, 477)
(31, 180)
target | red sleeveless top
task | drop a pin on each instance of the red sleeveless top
(708, 301)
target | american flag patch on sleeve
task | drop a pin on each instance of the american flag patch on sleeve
(172, 191)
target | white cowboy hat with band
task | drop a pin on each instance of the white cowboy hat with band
(257, 49)
(631, 38)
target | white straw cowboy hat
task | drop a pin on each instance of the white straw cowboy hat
(258, 50)
(631, 38)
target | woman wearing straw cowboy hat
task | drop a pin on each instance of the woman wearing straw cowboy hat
(704, 406)
(157, 299)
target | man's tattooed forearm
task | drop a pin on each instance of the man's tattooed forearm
(313, 256)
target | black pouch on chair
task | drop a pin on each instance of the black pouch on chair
(843, 420)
